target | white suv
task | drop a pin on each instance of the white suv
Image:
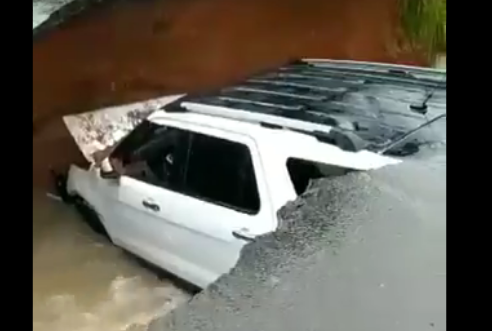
(187, 186)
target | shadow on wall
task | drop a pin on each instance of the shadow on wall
(142, 49)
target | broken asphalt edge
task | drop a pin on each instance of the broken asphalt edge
(323, 220)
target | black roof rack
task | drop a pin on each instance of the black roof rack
(359, 104)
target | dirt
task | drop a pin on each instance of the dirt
(138, 50)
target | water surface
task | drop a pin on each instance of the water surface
(82, 283)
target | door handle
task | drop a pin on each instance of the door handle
(240, 234)
(151, 205)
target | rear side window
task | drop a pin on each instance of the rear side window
(302, 172)
(221, 172)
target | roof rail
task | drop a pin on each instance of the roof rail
(349, 104)
(369, 74)
(255, 117)
(433, 73)
(344, 140)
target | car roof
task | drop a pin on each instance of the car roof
(366, 107)
(227, 125)
(278, 143)
(368, 104)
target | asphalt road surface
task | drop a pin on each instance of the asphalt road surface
(363, 252)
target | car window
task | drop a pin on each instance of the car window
(129, 147)
(302, 172)
(221, 172)
(154, 154)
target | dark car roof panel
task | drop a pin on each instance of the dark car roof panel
(378, 103)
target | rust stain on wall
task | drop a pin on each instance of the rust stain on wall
(137, 50)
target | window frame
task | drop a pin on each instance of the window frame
(181, 189)
(179, 186)
(215, 202)
(292, 160)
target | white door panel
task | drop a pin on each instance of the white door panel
(196, 236)
(185, 235)
(204, 230)
(142, 226)
(205, 234)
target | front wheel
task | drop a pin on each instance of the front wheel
(60, 186)
(90, 216)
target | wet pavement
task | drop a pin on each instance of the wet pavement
(361, 252)
(83, 283)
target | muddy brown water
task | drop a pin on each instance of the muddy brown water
(83, 283)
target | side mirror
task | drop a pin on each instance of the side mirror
(109, 174)
(107, 170)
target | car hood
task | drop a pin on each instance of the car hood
(98, 130)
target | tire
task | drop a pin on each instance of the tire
(90, 216)
(60, 185)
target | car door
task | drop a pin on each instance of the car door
(188, 226)
(138, 205)
(222, 205)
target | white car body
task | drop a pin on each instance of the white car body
(190, 237)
